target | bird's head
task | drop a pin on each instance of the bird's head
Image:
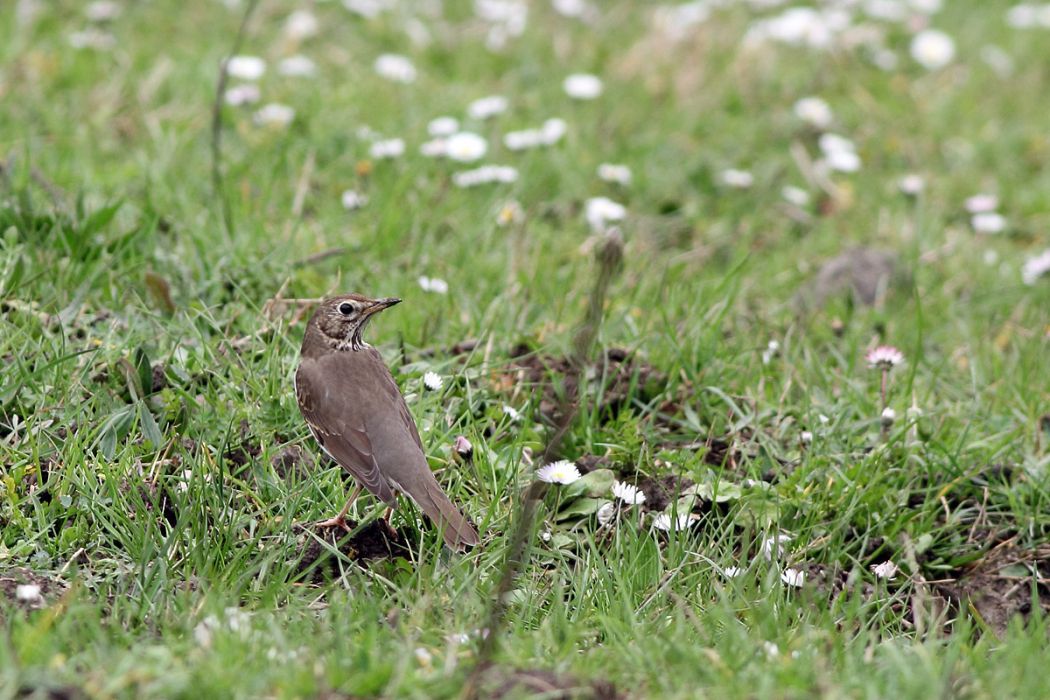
(342, 319)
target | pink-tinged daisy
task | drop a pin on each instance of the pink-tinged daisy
(1036, 267)
(561, 472)
(884, 357)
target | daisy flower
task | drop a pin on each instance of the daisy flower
(981, 203)
(884, 357)
(1036, 267)
(396, 68)
(561, 472)
(887, 416)
(988, 222)
(793, 577)
(932, 49)
(301, 24)
(738, 179)
(433, 381)
(353, 199)
(443, 126)
(732, 571)
(615, 173)
(238, 95)
(887, 570)
(583, 86)
(465, 147)
(795, 195)
(102, 11)
(599, 211)
(387, 148)
(27, 592)
(297, 66)
(510, 213)
(665, 523)
(606, 514)
(814, 112)
(245, 67)
(484, 175)
(773, 547)
(487, 107)
(512, 413)
(432, 284)
(274, 114)
(911, 184)
(628, 494)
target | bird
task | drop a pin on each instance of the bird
(357, 415)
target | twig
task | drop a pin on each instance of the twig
(609, 258)
(217, 179)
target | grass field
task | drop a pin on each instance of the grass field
(155, 468)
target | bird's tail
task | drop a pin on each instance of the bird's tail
(455, 528)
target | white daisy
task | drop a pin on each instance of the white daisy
(465, 147)
(732, 571)
(301, 24)
(583, 86)
(368, 9)
(815, 112)
(981, 203)
(988, 222)
(511, 413)
(932, 49)
(833, 143)
(387, 148)
(795, 195)
(396, 68)
(510, 213)
(887, 570)
(561, 472)
(1036, 267)
(245, 67)
(793, 577)
(738, 179)
(297, 66)
(663, 521)
(615, 173)
(274, 114)
(806, 437)
(435, 148)
(843, 161)
(912, 184)
(606, 514)
(771, 351)
(487, 107)
(433, 381)
(888, 416)
(484, 175)
(884, 357)
(773, 547)
(102, 11)
(353, 199)
(245, 94)
(432, 284)
(599, 211)
(443, 126)
(628, 493)
(27, 592)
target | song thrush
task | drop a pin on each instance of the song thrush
(359, 418)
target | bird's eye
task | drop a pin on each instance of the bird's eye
(346, 308)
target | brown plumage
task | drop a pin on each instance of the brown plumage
(358, 416)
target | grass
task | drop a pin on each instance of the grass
(146, 409)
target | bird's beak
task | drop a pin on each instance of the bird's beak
(380, 304)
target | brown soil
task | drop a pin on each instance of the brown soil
(376, 540)
(538, 683)
(1003, 585)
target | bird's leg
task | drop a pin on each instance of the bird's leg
(340, 519)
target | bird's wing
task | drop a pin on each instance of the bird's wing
(337, 427)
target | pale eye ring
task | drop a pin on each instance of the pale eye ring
(346, 308)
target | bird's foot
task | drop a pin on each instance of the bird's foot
(338, 521)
